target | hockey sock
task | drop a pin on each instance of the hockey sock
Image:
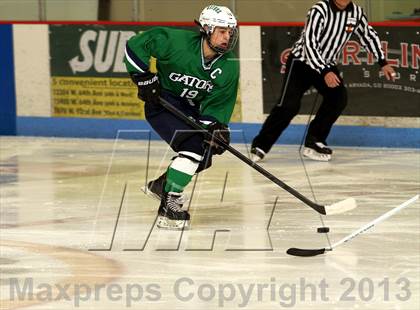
(180, 173)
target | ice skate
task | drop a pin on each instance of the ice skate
(155, 189)
(257, 154)
(317, 151)
(170, 214)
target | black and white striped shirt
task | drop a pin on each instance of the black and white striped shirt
(328, 29)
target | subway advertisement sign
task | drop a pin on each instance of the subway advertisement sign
(88, 76)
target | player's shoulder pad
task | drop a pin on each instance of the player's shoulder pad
(163, 32)
(158, 31)
(174, 33)
(153, 33)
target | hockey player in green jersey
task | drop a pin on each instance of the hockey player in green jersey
(197, 73)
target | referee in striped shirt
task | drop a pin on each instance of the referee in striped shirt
(312, 62)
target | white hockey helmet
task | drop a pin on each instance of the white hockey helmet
(214, 16)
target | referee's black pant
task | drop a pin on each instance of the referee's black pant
(299, 77)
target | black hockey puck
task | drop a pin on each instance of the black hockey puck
(323, 230)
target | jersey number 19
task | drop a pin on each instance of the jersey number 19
(190, 94)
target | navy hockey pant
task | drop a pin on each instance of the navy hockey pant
(179, 135)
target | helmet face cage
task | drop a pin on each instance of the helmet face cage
(218, 16)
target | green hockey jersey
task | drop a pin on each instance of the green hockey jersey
(183, 72)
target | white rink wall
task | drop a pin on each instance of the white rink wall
(32, 70)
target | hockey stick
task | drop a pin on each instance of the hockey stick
(363, 229)
(336, 208)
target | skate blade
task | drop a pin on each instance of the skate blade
(311, 154)
(165, 223)
(149, 193)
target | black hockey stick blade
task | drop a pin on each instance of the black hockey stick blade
(305, 252)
